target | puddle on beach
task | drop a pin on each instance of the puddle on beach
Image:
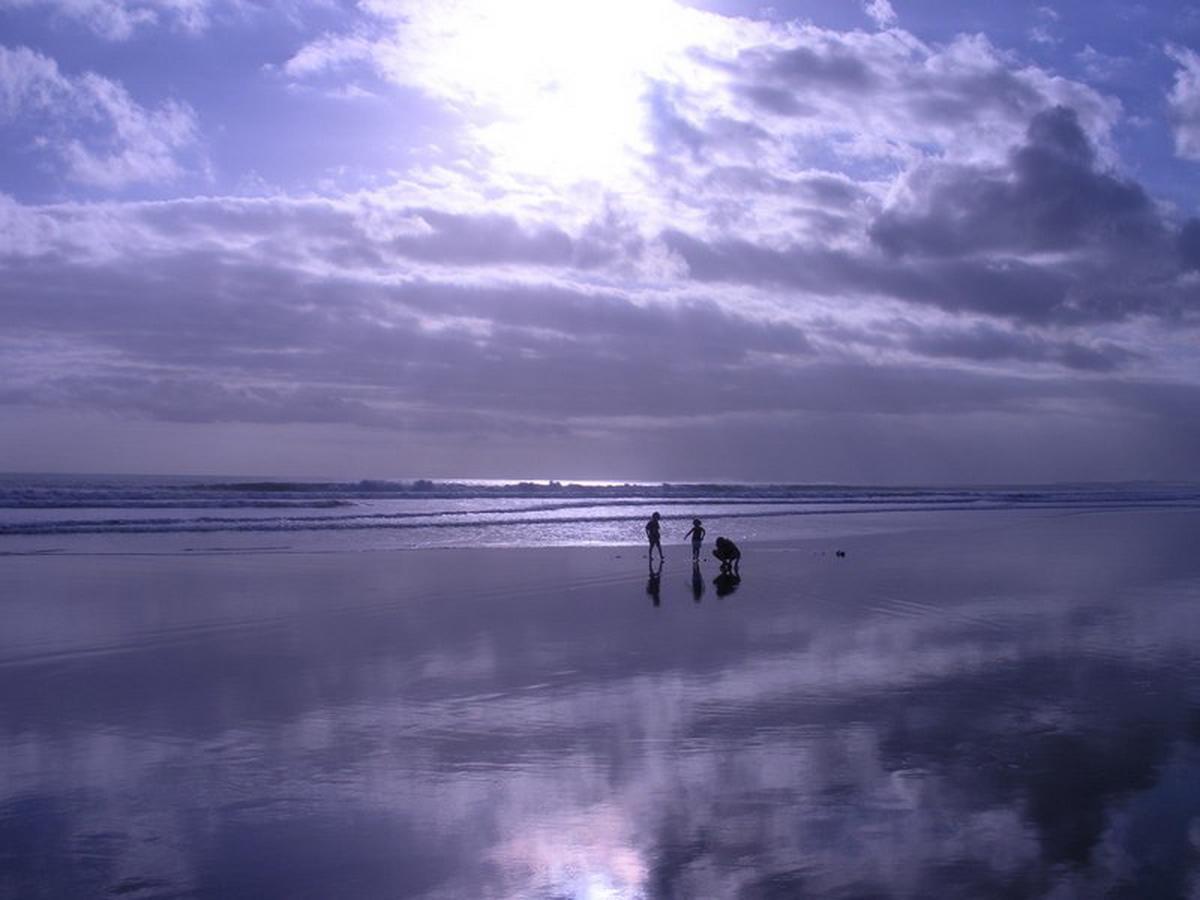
(994, 711)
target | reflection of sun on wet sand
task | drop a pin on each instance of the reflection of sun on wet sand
(525, 722)
(590, 852)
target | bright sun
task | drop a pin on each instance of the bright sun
(556, 88)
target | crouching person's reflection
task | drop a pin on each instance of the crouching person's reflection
(726, 583)
(654, 583)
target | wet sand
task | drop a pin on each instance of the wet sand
(989, 706)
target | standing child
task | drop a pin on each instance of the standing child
(652, 535)
(697, 535)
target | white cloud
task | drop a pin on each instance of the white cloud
(120, 19)
(881, 12)
(27, 79)
(1040, 34)
(653, 102)
(1184, 100)
(761, 198)
(553, 92)
(1101, 66)
(100, 134)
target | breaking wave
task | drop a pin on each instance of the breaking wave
(67, 505)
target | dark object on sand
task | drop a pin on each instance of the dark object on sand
(840, 553)
(728, 553)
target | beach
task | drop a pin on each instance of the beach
(963, 705)
(358, 359)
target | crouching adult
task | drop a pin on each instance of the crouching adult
(728, 553)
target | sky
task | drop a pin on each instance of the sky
(891, 241)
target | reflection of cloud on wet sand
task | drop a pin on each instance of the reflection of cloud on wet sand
(889, 728)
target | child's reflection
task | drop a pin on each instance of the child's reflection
(653, 583)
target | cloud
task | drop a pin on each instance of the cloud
(98, 132)
(1098, 237)
(863, 106)
(1008, 289)
(230, 330)
(897, 90)
(1184, 102)
(1050, 196)
(988, 343)
(881, 12)
(118, 20)
(745, 221)
(122, 20)
(1101, 66)
(1189, 245)
(187, 312)
(1041, 34)
(1048, 237)
(685, 90)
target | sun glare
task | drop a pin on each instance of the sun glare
(557, 87)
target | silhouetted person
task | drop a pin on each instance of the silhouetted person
(697, 582)
(728, 553)
(654, 536)
(726, 583)
(653, 584)
(696, 533)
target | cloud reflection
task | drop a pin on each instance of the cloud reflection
(995, 711)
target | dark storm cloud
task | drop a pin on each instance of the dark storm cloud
(987, 343)
(772, 77)
(188, 398)
(1189, 245)
(483, 239)
(975, 239)
(780, 101)
(822, 189)
(961, 98)
(215, 335)
(745, 262)
(370, 346)
(1050, 197)
(218, 306)
(1006, 288)
(828, 67)
(220, 340)
(958, 88)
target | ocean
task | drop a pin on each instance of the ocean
(64, 513)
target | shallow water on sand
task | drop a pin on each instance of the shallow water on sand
(1008, 708)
